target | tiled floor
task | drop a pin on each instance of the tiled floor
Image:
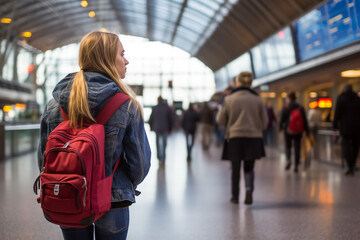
(187, 201)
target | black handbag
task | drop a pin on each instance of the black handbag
(225, 155)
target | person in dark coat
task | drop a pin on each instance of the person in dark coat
(347, 120)
(190, 118)
(161, 122)
(207, 124)
(292, 137)
(269, 132)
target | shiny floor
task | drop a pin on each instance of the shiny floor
(187, 201)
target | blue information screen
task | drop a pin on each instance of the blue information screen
(333, 25)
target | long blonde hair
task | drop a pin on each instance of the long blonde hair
(97, 53)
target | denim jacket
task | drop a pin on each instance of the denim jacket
(125, 135)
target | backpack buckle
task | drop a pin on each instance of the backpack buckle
(56, 189)
(66, 144)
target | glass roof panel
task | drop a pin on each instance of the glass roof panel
(201, 8)
(197, 14)
(210, 3)
(191, 35)
(137, 5)
(167, 3)
(166, 10)
(133, 18)
(169, 16)
(136, 29)
(163, 36)
(189, 22)
(161, 23)
(183, 44)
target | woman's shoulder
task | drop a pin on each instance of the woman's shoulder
(52, 111)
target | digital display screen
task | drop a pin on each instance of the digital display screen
(274, 54)
(335, 24)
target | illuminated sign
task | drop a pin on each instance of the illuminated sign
(7, 108)
(313, 105)
(325, 102)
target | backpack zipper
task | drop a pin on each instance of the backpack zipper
(45, 153)
(95, 143)
(61, 149)
(84, 186)
(89, 136)
(77, 194)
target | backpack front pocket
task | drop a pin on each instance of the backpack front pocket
(63, 193)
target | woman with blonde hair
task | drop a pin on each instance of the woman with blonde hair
(82, 95)
(244, 116)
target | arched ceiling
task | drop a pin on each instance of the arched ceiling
(214, 31)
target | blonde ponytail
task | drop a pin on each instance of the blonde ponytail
(79, 110)
(97, 53)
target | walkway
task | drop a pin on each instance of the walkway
(189, 201)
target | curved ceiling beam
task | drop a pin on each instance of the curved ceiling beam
(217, 31)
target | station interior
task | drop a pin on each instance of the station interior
(191, 51)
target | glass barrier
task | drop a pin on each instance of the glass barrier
(17, 139)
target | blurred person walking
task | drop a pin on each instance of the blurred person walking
(161, 122)
(220, 130)
(294, 122)
(82, 95)
(347, 120)
(269, 131)
(244, 116)
(188, 123)
(207, 124)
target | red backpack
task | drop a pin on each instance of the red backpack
(74, 191)
(296, 122)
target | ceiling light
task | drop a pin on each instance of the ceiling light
(6, 20)
(26, 34)
(84, 3)
(351, 73)
(313, 94)
(92, 14)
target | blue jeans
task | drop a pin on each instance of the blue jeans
(113, 225)
(190, 138)
(161, 141)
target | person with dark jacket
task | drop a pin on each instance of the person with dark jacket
(244, 116)
(82, 95)
(347, 119)
(290, 136)
(190, 118)
(161, 122)
(207, 124)
(269, 131)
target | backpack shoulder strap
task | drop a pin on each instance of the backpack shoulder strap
(64, 114)
(110, 107)
(107, 111)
